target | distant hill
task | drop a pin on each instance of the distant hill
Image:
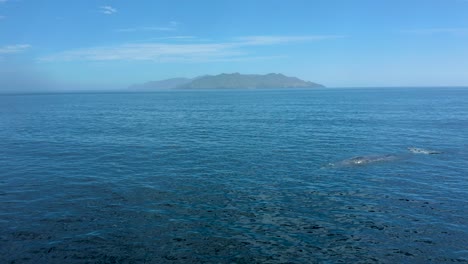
(229, 81)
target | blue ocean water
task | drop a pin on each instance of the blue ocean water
(235, 177)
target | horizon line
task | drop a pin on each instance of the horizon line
(129, 91)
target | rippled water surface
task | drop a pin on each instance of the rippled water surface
(235, 177)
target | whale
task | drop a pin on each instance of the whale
(370, 159)
(364, 160)
(423, 151)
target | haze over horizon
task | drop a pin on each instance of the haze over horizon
(62, 45)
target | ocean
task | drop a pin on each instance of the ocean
(270, 176)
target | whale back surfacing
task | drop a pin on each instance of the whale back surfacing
(423, 151)
(365, 160)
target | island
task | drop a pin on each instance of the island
(228, 81)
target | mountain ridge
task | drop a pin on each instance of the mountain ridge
(228, 81)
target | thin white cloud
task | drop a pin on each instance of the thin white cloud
(12, 49)
(437, 31)
(179, 39)
(2, 17)
(237, 49)
(270, 40)
(108, 10)
(145, 29)
(172, 26)
(245, 58)
(3, 1)
(147, 51)
(176, 38)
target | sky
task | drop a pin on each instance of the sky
(111, 44)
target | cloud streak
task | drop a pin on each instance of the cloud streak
(12, 49)
(147, 51)
(136, 29)
(171, 27)
(438, 31)
(108, 10)
(236, 49)
(177, 37)
(272, 40)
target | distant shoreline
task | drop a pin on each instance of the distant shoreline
(126, 91)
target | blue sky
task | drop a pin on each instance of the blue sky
(108, 44)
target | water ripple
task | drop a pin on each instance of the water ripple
(234, 177)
